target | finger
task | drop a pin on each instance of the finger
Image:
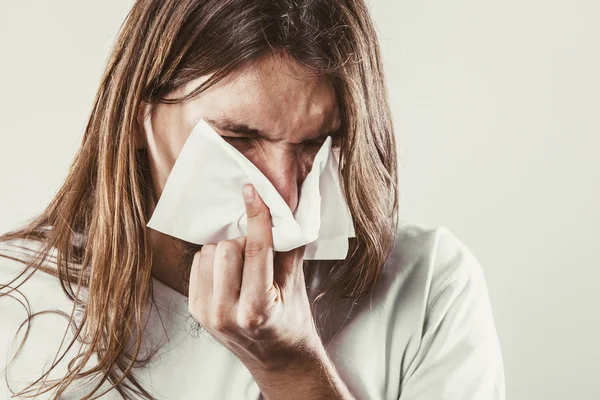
(194, 279)
(258, 254)
(227, 274)
(201, 282)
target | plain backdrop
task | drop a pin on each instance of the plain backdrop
(497, 108)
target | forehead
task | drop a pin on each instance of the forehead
(275, 95)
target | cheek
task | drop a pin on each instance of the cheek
(163, 155)
(167, 135)
(165, 141)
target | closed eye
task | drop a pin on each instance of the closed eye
(238, 139)
(336, 140)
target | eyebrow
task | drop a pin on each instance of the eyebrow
(228, 124)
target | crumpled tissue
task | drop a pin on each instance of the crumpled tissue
(202, 199)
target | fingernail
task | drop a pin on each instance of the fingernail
(248, 192)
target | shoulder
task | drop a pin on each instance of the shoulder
(16, 257)
(34, 311)
(433, 276)
(41, 289)
(439, 291)
(23, 289)
(20, 284)
(432, 258)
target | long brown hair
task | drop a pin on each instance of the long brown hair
(95, 227)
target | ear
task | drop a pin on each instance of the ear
(142, 119)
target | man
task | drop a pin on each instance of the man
(404, 316)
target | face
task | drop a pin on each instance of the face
(275, 112)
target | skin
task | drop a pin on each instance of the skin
(251, 299)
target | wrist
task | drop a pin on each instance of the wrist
(300, 358)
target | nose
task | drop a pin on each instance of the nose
(285, 170)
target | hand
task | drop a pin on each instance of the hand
(251, 299)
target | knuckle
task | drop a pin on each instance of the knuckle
(253, 248)
(208, 249)
(228, 249)
(252, 320)
(259, 215)
(220, 322)
(252, 325)
(255, 209)
(251, 212)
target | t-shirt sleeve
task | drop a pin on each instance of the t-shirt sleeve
(459, 357)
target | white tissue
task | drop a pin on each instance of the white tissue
(202, 199)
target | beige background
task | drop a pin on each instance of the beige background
(497, 109)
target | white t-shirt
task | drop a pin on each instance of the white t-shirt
(425, 333)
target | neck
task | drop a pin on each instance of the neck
(171, 257)
(171, 263)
